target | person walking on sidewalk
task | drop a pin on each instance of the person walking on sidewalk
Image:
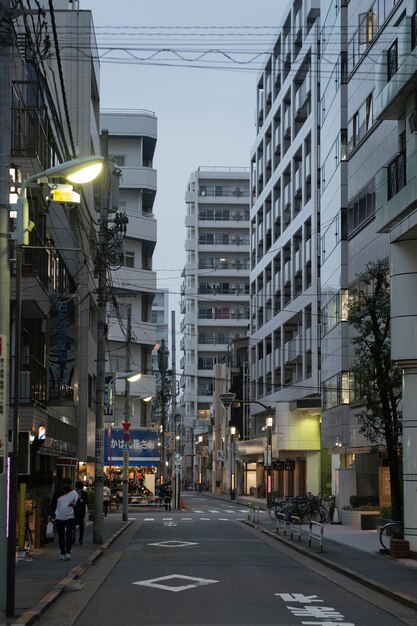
(106, 499)
(62, 512)
(80, 510)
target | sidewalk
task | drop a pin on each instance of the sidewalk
(41, 577)
(348, 550)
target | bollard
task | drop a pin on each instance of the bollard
(250, 507)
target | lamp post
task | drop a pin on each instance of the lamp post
(268, 461)
(79, 171)
(200, 461)
(129, 377)
(232, 463)
(227, 399)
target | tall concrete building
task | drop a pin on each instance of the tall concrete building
(215, 291)
(51, 123)
(285, 224)
(132, 141)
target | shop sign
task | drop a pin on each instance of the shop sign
(143, 447)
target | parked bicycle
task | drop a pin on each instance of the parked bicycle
(391, 530)
(305, 507)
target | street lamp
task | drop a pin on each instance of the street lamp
(200, 463)
(232, 463)
(79, 171)
(130, 377)
(268, 460)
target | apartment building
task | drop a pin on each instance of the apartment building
(132, 136)
(390, 44)
(215, 290)
(56, 369)
(284, 280)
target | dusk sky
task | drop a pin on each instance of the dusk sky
(205, 107)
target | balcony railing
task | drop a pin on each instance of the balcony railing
(59, 392)
(33, 381)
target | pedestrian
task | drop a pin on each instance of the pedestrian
(62, 512)
(106, 499)
(168, 497)
(160, 494)
(80, 510)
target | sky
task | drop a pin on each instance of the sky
(206, 115)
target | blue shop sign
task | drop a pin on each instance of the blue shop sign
(143, 448)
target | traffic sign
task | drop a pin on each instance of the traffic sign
(126, 438)
(126, 425)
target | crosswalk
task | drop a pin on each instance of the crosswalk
(233, 515)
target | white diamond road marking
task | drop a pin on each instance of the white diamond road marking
(173, 544)
(155, 582)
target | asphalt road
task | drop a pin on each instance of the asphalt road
(204, 566)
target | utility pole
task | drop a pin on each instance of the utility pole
(163, 354)
(177, 466)
(101, 347)
(6, 40)
(128, 412)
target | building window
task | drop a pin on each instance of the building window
(361, 208)
(129, 259)
(392, 60)
(118, 159)
(360, 123)
(367, 26)
(396, 175)
(414, 30)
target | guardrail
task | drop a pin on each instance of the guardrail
(318, 537)
(291, 524)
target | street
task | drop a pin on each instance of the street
(204, 566)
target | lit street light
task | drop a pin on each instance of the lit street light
(232, 463)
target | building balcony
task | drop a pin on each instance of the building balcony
(33, 381)
(140, 280)
(142, 227)
(138, 178)
(391, 95)
(396, 192)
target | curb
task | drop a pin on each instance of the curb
(33, 614)
(403, 598)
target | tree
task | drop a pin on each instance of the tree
(377, 378)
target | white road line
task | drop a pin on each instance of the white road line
(205, 519)
(213, 511)
(223, 519)
(186, 519)
(167, 519)
(149, 519)
(197, 512)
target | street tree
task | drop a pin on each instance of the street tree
(377, 378)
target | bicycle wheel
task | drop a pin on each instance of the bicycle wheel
(314, 515)
(324, 514)
(273, 512)
(392, 529)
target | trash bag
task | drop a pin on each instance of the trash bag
(49, 530)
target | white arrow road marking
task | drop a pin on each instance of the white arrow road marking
(155, 582)
(173, 544)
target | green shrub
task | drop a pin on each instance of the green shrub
(357, 502)
(386, 512)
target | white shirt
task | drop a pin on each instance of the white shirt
(65, 505)
(106, 493)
